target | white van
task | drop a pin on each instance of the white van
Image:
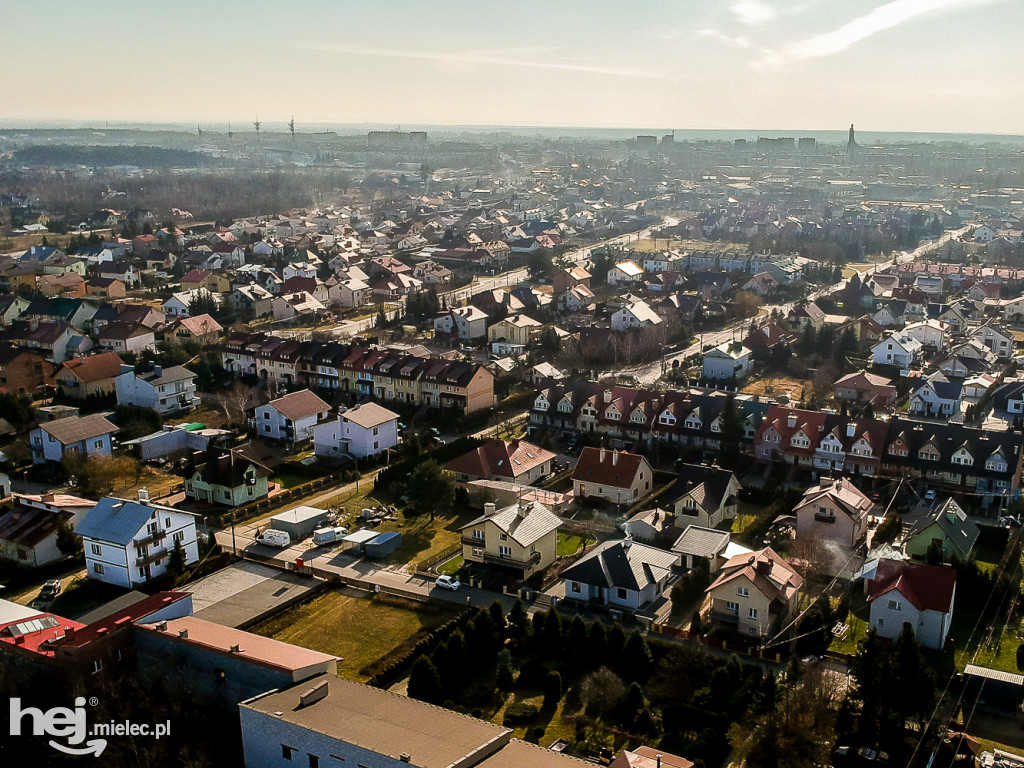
(274, 538)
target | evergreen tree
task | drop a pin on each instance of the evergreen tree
(497, 614)
(519, 621)
(596, 647)
(553, 633)
(616, 642)
(575, 642)
(636, 660)
(425, 682)
(69, 544)
(176, 560)
(505, 679)
(552, 689)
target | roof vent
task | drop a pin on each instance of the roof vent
(405, 757)
(161, 626)
(314, 694)
(183, 634)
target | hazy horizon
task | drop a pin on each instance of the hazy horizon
(902, 66)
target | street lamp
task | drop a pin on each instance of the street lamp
(234, 550)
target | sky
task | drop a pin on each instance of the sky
(896, 65)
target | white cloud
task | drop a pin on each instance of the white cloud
(753, 12)
(452, 61)
(879, 19)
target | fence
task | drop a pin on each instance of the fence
(426, 567)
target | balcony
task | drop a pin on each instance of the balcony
(150, 538)
(509, 562)
(473, 542)
(153, 557)
(824, 518)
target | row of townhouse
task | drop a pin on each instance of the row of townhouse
(627, 416)
(377, 373)
(950, 456)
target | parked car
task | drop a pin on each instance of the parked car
(50, 589)
(448, 582)
(930, 495)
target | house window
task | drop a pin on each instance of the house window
(179, 536)
(881, 622)
(732, 607)
(96, 549)
(97, 568)
(505, 551)
(478, 534)
(503, 536)
(286, 752)
(752, 613)
(622, 593)
(575, 587)
(98, 444)
(895, 605)
(314, 761)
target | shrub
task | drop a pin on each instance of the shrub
(535, 734)
(552, 688)
(520, 713)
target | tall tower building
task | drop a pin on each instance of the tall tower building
(851, 144)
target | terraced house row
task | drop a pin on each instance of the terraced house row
(628, 417)
(950, 457)
(379, 373)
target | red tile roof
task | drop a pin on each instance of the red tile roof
(928, 587)
(498, 457)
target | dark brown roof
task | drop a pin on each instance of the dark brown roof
(498, 457)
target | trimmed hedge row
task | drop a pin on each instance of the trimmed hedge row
(390, 674)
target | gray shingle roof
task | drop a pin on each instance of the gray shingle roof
(618, 564)
(538, 521)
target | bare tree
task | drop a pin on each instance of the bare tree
(236, 402)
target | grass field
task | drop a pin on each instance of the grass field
(365, 632)
(570, 543)
(774, 384)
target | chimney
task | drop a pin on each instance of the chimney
(489, 509)
(658, 758)
(607, 395)
(615, 458)
(851, 428)
(405, 757)
(791, 420)
(600, 457)
(158, 370)
(521, 510)
(47, 497)
(161, 626)
(183, 634)
(314, 694)
(144, 495)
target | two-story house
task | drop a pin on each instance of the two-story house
(81, 377)
(127, 543)
(616, 476)
(833, 510)
(523, 537)
(291, 418)
(704, 496)
(904, 593)
(945, 526)
(365, 429)
(226, 477)
(899, 350)
(72, 435)
(754, 593)
(165, 390)
(729, 360)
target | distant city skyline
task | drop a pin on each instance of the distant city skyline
(898, 66)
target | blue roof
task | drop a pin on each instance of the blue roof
(116, 521)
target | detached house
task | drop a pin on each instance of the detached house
(905, 593)
(620, 574)
(946, 526)
(515, 461)
(165, 390)
(754, 594)
(127, 543)
(365, 429)
(899, 350)
(615, 476)
(937, 396)
(84, 376)
(704, 496)
(523, 537)
(462, 322)
(729, 360)
(291, 418)
(226, 477)
(72, 435)
(833, 510)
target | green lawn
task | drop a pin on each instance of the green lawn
(858, 619)
(452, 566)
(365, 632)
(571, 543)
(289, 479)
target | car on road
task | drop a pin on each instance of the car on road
(930, 495)
(448, 582)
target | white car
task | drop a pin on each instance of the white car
(930, 495)
(448, 582)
